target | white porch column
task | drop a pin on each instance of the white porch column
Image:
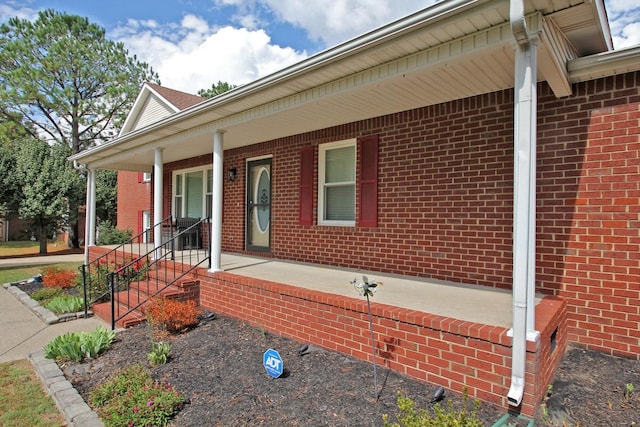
(157, 199)
(216, 204)
(90, 214)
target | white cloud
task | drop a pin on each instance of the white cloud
(628, 36)
(624, 22)
(329, 21)
(193, 55)
(7, 11)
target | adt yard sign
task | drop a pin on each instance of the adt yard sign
(272, 363)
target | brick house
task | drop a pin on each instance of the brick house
(489, 144)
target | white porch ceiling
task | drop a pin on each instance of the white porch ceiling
(452, 50)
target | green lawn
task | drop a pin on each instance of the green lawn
(11, 249)
(24, 401)
(17, 249)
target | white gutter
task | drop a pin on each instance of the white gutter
(525, 100)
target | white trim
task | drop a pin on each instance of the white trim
(254, 159)
(322, 149)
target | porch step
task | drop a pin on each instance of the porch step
(103, 311)
(138, 293)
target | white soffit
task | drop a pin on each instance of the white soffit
(454, 49)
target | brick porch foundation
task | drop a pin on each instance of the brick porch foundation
(435, 349)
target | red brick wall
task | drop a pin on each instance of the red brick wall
(439, 350)
(133, 196)
(589, 210)
(445, 201)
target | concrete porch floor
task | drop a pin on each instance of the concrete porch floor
(472, 303)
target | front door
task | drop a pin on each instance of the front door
(259, 205)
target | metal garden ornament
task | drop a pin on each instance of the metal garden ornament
(368, 288)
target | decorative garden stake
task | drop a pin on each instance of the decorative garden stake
(367, 289)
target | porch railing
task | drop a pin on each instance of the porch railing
(95, 274)
(157, 270)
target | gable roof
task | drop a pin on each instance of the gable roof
(451, 50)
(180, 100)
(154, 103)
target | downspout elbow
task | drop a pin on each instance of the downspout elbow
(516, 391)
(79, 166)
(518, 22)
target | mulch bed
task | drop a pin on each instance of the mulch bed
(218, 367)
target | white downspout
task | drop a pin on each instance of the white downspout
(90, 209)
(158, 171)
(524, 209)
(90, 214)
(216, 202)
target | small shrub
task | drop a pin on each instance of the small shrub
(110, 235)
(442, 417)
(46, 294)
(159, 353)
(65, 304)
(169, 315)
(133, 398)
(78, 345)
(55, 277)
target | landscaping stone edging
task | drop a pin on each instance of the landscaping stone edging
(72, 406)
(47, 316)
(75, 410)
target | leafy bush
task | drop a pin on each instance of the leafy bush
(78, 345)
(55, 277)
(133, 398)
(46, 294)
(65, 304)
(159, 353)
(169, 315)
(98, 274)
(110, 235)
(442, 417)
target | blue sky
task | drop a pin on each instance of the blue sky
(194, 43)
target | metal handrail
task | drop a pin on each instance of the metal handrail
(95, 280)
(155, 271)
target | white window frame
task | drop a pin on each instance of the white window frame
(322, 149)
(146, 226)
(184, 172)
(146, 176)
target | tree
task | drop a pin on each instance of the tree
(67, 83)
(216, 89)
(45, 178)
(106, 195)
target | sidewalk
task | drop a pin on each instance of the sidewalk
(22, 332)
(40, 260)
(23, 335)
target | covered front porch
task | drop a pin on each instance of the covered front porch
(444, 333)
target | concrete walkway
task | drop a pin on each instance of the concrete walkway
(25, 328)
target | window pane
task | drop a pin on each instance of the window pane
(178, 206)
(208, 207)
(339, 165)
(178, 185)
(194, 194)
(340, 203)
(209, 181)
